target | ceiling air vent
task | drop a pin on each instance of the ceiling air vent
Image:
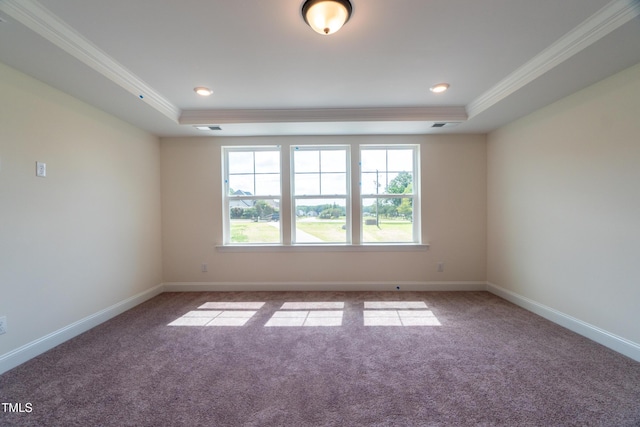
(208, 127)
(444, 124)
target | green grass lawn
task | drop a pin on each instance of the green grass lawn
(247, 231)
(392, 231)
(327, 231)
(389, 231)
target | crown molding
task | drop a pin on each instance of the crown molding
(323, 115)
(34, 16)
(609, 18)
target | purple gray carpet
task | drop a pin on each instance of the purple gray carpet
(467, 359)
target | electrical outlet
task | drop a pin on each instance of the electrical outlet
(3, 325)
(205, 268)
(41, 169)
(440, 266)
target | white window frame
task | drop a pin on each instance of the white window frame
(415, 196)
(354, 201)
(226, 197)
(347, 196)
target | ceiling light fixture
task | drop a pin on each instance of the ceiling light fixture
(202, 91)
(326, 16)
(439, 88)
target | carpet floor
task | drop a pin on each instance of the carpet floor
(326, 359)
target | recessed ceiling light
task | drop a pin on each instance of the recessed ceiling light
(202, 91)
(439, 88)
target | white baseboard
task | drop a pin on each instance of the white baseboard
(321, 286)
(28, 351)
(614, 342)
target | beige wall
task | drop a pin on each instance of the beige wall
(454, 219)
(564, 205)
(88, 235)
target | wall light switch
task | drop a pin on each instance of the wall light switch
(41, 169)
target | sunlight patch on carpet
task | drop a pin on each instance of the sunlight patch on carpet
(231, 314)
(313, 305)
(374, 305)
(232, 305)
(305, 318)
(310, 313)
(400, 318)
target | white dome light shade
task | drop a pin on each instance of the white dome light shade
(326, 16)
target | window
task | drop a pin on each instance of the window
(324, 200)
(320, 189)
(389, 194)
(252, 195)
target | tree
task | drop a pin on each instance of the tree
(387, 210)
(249, 213)
(406, 209)
(331, 213)
(399, 185)
(236, 212)
(263, 209)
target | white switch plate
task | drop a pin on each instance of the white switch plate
(41, 169)
(3, 325)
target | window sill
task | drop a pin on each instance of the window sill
(384, 247)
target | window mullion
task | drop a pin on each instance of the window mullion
(286, 202)
(356, 201)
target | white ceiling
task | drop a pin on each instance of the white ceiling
(271, 74)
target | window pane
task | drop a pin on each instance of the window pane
(306, 161)
(320, 172)
(391, 170)
(307, 184)
(373, 182)
(321, 221)
(267, 161)
(240, 162)
(241, 185)
(387, 220)
(400, 160)
(372, 160)
(334, 183)
(400, 183)
(334, 160)
(254, 221)
(268, 184)
(253, 172)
